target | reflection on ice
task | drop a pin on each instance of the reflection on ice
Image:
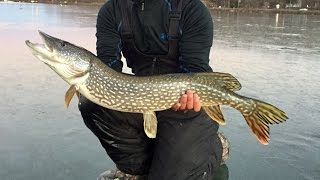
(289, 34)
(277, 19)
(262, 29)
(50, 15)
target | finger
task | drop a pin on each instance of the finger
(183, 102)
(196, 103)
(176, 106)
(189, 99)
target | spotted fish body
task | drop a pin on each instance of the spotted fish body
(146, 94)
(128, 93)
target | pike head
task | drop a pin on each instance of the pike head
(70, 62)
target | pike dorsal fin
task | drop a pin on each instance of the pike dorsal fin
(215, 113)
(225, 79)
(69, 94)
(229, 82)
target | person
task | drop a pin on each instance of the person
(156, 37)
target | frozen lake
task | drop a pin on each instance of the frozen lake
(276, 57)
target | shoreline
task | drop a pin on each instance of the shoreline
(253, 10)
(56, 2)
(257, 10)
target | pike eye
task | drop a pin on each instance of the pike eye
(63, 44)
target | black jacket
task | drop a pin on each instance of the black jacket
(150, 33)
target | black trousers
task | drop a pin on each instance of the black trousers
(186, 146)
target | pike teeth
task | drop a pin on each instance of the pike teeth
(47, 46)
(50, 49)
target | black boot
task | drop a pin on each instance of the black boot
(118, 175)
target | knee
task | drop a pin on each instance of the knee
(87, 110)
(85, 105)
(134, 169)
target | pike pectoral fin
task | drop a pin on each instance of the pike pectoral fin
(150, 123)
(260, 119)
(215, 113)
(69, 94)
(78, 94)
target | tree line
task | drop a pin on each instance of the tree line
(266, 4)
(63, 1)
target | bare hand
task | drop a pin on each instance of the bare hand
(188, 101)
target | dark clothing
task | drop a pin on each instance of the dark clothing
(150, 34)
(187, 145)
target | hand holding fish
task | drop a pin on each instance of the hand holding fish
(188, 101)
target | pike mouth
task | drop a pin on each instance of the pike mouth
(38, 47)
(45, 52)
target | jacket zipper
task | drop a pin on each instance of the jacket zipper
(154, 60)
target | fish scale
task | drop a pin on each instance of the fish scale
(88, 75)
(152, 93)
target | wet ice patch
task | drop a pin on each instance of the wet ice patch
(289, 48)
(277, 27)
(290, 34)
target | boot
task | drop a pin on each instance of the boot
(119, 175)
(225, 146)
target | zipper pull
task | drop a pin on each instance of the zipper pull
(142, 6)
(154, 60)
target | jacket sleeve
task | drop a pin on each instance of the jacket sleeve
(108, 43)
(196, 38)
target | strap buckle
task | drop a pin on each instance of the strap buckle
(175, 15)
(126, 35)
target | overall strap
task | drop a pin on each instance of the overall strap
(126, 32)
(126, 11)
(174, 19)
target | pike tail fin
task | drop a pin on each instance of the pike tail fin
(261, 117)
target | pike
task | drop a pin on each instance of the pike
(90, 77)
